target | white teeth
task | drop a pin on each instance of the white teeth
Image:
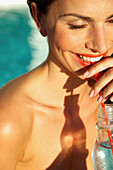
(98, 58)
(84, 58)
(92, 59)
(88, 59)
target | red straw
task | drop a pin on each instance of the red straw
(108, 131)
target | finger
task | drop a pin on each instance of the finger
(102, 82)
(106, 93)
(98, 67)
(111, 98)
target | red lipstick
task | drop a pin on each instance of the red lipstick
(94, 56)
(84, 63)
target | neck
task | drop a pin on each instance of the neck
(66, 82)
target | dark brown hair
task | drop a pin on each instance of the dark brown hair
(43, 5)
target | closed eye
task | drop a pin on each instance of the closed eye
(77, 26)
(110, 21)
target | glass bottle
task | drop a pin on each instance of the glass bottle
(102, 154)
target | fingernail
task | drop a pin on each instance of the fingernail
(99, 99)
(86, 74)
(111, 98)
(91, 93)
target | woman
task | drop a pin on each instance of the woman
(48, 115)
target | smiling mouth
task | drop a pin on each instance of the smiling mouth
(89, 59)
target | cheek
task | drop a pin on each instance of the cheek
(68, 39)
(65, 40)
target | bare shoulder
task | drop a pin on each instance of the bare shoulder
(16, 103)
(15, 106)
(15, 122)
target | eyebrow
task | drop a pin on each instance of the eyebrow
(78, 16)
(86, 18)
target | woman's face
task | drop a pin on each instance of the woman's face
(80, 31)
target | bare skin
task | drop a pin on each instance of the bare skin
(46, 133)
(47, 117)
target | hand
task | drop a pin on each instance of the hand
(105, 81)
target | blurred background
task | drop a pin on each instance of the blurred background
(22, 48)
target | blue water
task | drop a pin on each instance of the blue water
(102, 156)
(18, 45)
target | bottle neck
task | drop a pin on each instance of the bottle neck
(104, 124)
(105, 115)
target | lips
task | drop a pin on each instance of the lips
(88, 59)
(94, 56)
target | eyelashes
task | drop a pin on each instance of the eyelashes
(110, 21)
(75, 27)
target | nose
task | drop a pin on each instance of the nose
(97, 41)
